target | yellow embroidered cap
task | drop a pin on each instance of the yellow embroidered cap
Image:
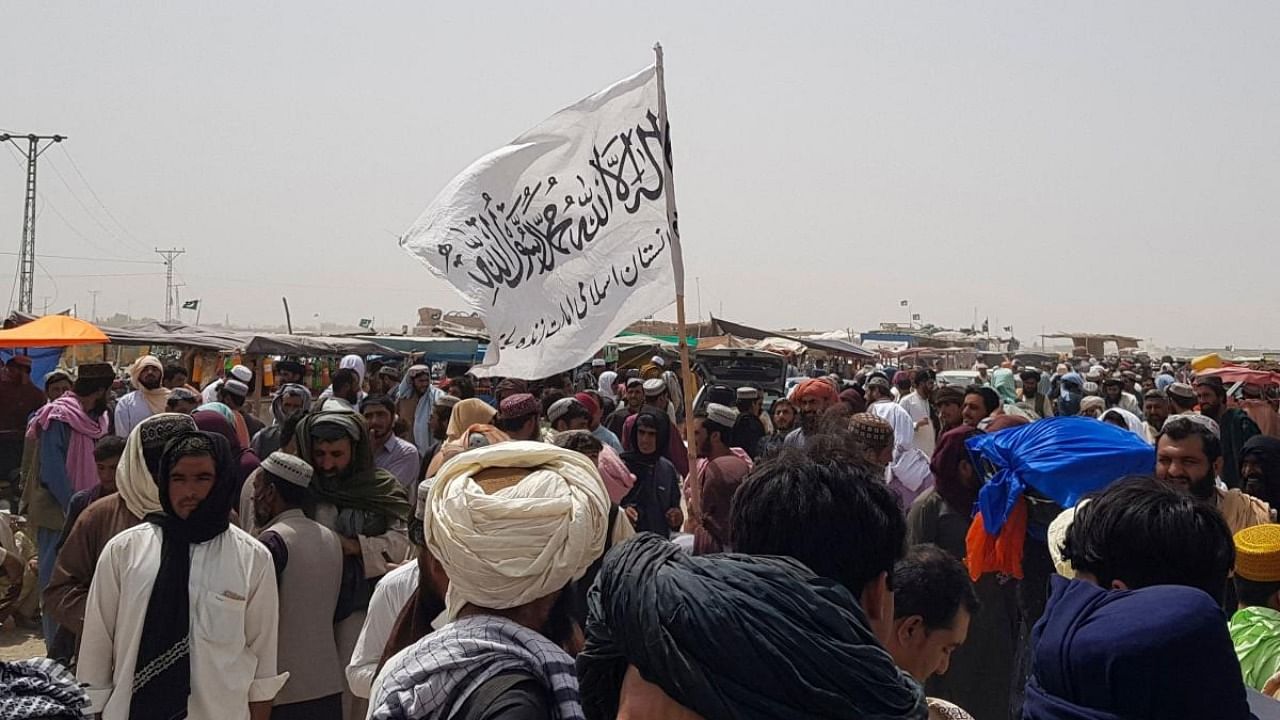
(1258, 553)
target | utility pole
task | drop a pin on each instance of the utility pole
(27, 255)
(169, 256)
(93, 314)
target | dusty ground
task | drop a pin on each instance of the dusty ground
(19, 644)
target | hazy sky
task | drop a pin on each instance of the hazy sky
(1077, 166)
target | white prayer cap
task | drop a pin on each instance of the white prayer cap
(748, 393)
(559, 408)
(514, 522)
(721, 415)
(235, 387)
(597, 362)
(289, 468)
(448, 401)
(658, 360)
(242, 373)
(654, 387)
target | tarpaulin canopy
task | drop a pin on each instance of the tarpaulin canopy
(52, 331)
(1238, 373)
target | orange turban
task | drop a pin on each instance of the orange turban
(816, 387)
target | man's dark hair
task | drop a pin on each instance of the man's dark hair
(550, 397)
(1030, 376)
(932, 583)
(381, 401)
(1143, 532)
(1179, 427)
(711, 426)
(576, 410)
(462, 388)
(580, 441)
(1255, 593)
(745, 406)
(825, 507)
(173, 371)
(1214, 383)
(293, 495)
(990, 399)
(923, 376)
(512, 424)
(345, 379)
(109, 446)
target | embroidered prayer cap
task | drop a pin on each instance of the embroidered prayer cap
(748, 393)
(654, 387)
(448, 401)
(721, 415)
(559, 408)
(658, 360)
(1182, 390)
(518, 405)
(634, 383)
(417, 370)
(874, 432)
(1258, 553)
(290, 468)
(242, 373)
(235, 387)
(598, 362)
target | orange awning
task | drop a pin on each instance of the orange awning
(52, 331)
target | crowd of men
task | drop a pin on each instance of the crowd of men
(407, 546)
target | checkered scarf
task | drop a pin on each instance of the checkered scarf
(435, 677)
(40, 689)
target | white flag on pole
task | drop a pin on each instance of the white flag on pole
(559, 239)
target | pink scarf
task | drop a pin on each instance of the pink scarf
(81, 467)
(617, 478)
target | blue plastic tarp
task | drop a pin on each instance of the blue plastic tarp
(1063, 458)
(43, 361)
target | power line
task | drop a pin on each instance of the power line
(113, 234)
(50, 204)
(94, 259)
(76, 166)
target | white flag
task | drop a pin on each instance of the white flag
(560, 239)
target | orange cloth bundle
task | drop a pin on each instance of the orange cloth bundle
(1001, 553)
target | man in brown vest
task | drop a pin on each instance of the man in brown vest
(308, 560)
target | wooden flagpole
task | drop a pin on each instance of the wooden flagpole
(677, 266)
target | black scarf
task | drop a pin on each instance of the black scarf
(735, 636)
(162, 672)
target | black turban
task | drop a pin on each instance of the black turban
(735, 636)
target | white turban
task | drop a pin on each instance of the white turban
(523, 542)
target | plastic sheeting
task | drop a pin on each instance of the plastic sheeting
(1063, 458)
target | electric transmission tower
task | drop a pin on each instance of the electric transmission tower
(27, 255)
(169, 289)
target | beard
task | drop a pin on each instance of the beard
(560, 625)
(150, 383)
(809, 421)
(1202, 488)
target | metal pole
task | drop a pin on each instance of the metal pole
(27, 254)
(169, 256)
